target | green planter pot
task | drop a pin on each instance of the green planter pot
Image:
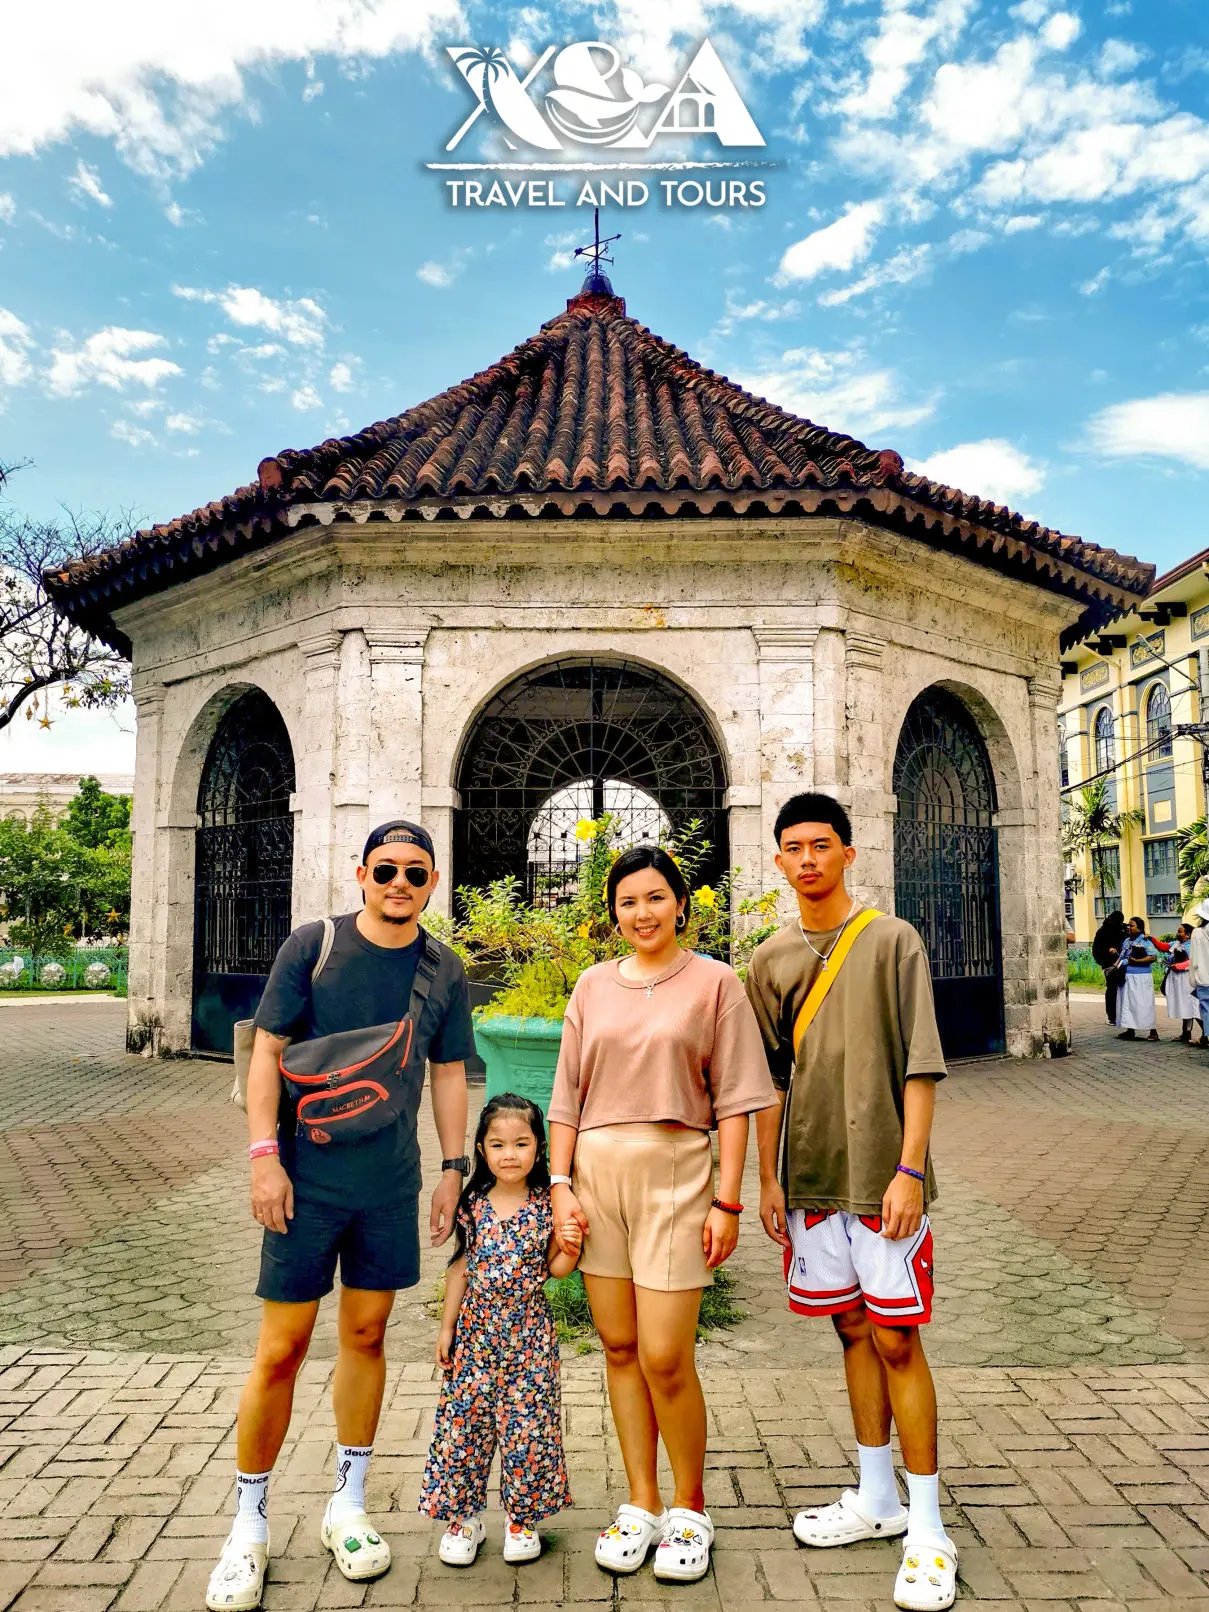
(521, 1056)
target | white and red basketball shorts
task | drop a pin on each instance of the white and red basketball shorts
(840, 1260)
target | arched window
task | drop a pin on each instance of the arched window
(1158, 721)
(1102, 740)
(1063, 758)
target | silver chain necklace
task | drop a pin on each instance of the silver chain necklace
(663, 974)
(823, 956)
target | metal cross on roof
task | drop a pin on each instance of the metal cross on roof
(597, 280)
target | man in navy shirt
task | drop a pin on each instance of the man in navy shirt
(354, 1201)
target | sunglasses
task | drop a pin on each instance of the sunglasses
(387, 872)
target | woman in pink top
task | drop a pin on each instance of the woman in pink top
(658, 1048)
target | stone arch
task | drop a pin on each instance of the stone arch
(608, 722)
(946, 860)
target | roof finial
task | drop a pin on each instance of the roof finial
(596, 282)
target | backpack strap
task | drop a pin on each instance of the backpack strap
(827, 974)
(426, 972)
(325, 949)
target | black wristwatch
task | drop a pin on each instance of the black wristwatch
(462, 1165)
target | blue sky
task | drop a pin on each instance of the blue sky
(984, 243)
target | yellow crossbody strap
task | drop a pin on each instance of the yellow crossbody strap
(825, 978)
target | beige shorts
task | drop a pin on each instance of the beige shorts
(646, 1190)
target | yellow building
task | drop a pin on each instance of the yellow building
(1124, 691)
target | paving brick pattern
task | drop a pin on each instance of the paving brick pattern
(1069, 1342)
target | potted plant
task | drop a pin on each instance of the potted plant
(539, 951)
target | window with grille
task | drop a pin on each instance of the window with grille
(1102, 739)
(1158, 858)
(1158, 722)
(1063, 758)
(1165, 904)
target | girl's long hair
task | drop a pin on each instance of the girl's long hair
(481, 1179)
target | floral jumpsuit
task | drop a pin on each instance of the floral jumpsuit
(503, 1387)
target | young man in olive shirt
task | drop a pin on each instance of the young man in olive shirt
(845, 1180)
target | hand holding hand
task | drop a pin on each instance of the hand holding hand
(902, 1207)
(567, 1207)
(570, 1236)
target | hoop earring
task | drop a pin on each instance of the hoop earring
(681, 922)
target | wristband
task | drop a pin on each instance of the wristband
(727, 1208)
(916, 1175)
(262, 1150)
(560, 1180)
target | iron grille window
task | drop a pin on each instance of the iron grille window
(1102, 739)
(1158, 721)
(1106, 870)
(1063, 758)
(573, 739)
(1165, 904)
(1158, 859)
(245, 842)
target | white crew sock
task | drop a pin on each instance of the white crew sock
(923, 1508)
(252, 1506)
(352, 1463)
(878, 1492)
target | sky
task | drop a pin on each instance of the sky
(983, 243)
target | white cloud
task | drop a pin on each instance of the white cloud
(107, 358)
(835, 390)
(340, 377)
(436, 274)
(837, 246)
(906, 265)
(136, 435)
(773, 32)
(1119, 56)
(759, 309)
(1174, 425)
(300, 322)
(968, 240)
(183, 424)
(86, 182)
(901, 42)
(160, 81)
(8, 208)
(992, 468)
(1061, 30)
(1091, 288)
(16, 344)
(306, 397)
(1022, 221)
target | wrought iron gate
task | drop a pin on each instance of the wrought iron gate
(946, 868)
(244, 867)
(572, 739)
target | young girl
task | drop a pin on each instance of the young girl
(498, 1345)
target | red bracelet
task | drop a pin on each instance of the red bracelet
(262, 1150)
(728, 1208)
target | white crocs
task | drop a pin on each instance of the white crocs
(927, 1580)
(623, 1546)
(460, 1542)
(237, 1582)
(843, 1523)
(683, 1554)
(521, 1544)
(359, 1550)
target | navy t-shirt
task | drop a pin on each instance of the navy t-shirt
(361, 985)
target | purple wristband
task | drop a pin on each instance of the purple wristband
(917, 1175)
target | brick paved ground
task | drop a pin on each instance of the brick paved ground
(1070, 1340)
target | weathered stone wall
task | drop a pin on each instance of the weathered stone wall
(803, 642)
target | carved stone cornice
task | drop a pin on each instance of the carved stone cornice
(863, 650)
(793, 644)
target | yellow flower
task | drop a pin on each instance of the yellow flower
(584, 931)
(705, 898)
(586, 829)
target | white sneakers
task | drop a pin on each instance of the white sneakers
(461, 1540)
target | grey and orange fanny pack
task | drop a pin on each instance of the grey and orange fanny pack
(348, 1085)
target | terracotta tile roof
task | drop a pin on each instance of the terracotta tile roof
(594, 415)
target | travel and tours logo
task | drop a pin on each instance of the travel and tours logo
(596, 100)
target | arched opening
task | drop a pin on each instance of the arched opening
(1158, 722)
(244, 866)
(1102, 740)
(946, 867)
(572, 739)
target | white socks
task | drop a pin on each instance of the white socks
(251, 1507)
(352, 1463)
(923, 1508)
(878, 1492)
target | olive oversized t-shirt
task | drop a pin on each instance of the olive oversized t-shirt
(843, 1133)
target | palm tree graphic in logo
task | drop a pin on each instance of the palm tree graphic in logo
(489, 73)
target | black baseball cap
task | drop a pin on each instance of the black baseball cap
(400, 832)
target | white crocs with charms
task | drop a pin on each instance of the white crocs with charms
(460, 1542)
(521, 1544)
(237, 1582)
(623, 1546)
(927, 1580)
(683, 1554)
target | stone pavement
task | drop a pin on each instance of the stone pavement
(1070, 1338)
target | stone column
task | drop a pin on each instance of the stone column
(396, 660)
(145, 959)
(785, 657)
(872, 805)
(353, 766)
(830, 719)
(438, 804)
(315, 779)
(1041, 854)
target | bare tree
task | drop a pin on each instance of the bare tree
(39, 647)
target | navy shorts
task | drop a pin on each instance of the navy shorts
(377, 1248)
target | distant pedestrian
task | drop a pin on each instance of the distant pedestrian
(1135, 999)
(1198, 956)
(1177, 984)
(1106, 949)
